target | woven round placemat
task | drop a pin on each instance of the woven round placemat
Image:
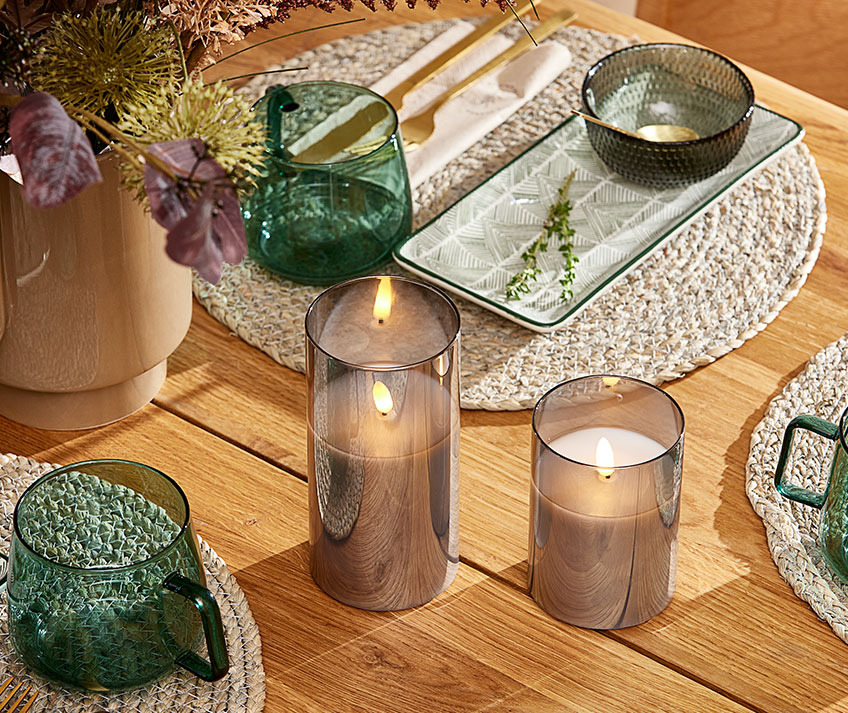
(792, 528)
(242, 690)
(709, 289)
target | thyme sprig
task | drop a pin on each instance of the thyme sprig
(555, 227)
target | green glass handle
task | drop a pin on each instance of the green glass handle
(794, 492)
(213, 630)
(279, 100)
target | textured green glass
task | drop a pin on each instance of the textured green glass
(833, 501)
(319, 219)
(105, 579)
(667, 84)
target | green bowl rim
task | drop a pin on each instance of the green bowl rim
(638, 48)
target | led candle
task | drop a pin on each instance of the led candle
(383, 442)
(604, 510)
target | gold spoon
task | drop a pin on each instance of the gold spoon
(650, 132)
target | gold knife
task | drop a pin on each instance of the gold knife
(454, 53)
(340, 140)
(417, 129)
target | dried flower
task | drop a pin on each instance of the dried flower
(205, 26)
(213, 113)
(105, 62)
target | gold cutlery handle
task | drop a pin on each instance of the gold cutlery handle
(541, 32)
(454, 53)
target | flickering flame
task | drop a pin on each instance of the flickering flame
(604, 459)
(382, 398)
(610, 381)
(383, 300)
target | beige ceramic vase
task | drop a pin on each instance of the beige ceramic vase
(90, 306)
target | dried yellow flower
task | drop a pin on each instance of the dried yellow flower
(105, 61)
(213, 113)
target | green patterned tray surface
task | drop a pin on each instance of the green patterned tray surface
(474, 247)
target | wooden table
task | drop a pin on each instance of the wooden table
(229, 425)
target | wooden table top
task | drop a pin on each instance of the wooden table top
(230, 426)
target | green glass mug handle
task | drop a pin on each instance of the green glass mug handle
(794, 492)
(213, 629)
(210, 615)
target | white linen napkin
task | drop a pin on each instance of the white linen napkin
(478, 110)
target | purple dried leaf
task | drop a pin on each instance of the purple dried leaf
(164, 196)
(191, 241)
(188, 158)
(55, 157)
(228, 225)
(204, 230)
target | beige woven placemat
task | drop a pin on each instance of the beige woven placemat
(707, 291)
(242, 690)
(792, 528)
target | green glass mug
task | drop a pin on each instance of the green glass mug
(335, 197)
(833, 502)
(105, 580)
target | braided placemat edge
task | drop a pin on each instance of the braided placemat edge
(792, 529)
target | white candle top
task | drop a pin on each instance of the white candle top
(628, 447)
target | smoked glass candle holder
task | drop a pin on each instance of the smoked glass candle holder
(607, 459)
(382, 365)
(335, 199)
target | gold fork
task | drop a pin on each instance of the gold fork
(25, 699)
(456, 52)
(417, 129)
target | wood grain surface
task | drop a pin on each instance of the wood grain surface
(230, 426)
(802, 43)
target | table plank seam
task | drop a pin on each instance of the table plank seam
(614, 636)
(229, 440)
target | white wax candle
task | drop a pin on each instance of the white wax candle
(628, 447)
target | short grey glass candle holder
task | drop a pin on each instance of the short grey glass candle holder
(607, 457)
(382, 366)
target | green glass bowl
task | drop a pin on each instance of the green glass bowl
(667, 84)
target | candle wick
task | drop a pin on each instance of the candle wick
(379, 321)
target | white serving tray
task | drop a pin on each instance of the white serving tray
(474, 247)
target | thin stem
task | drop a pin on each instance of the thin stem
(111, 143)
(521, 22)
(176, 34)
(256, 74)
(116, 133)
(281, 37)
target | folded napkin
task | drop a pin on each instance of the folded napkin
(486, 105)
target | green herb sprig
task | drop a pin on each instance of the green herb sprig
(556, 227)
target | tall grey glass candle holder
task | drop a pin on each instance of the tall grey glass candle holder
(607, 458)
(382, 365)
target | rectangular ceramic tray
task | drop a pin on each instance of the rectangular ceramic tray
(474, 247)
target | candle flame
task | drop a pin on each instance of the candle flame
(382, 398)
(610, 381)
(383, 300)
(604, 459)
